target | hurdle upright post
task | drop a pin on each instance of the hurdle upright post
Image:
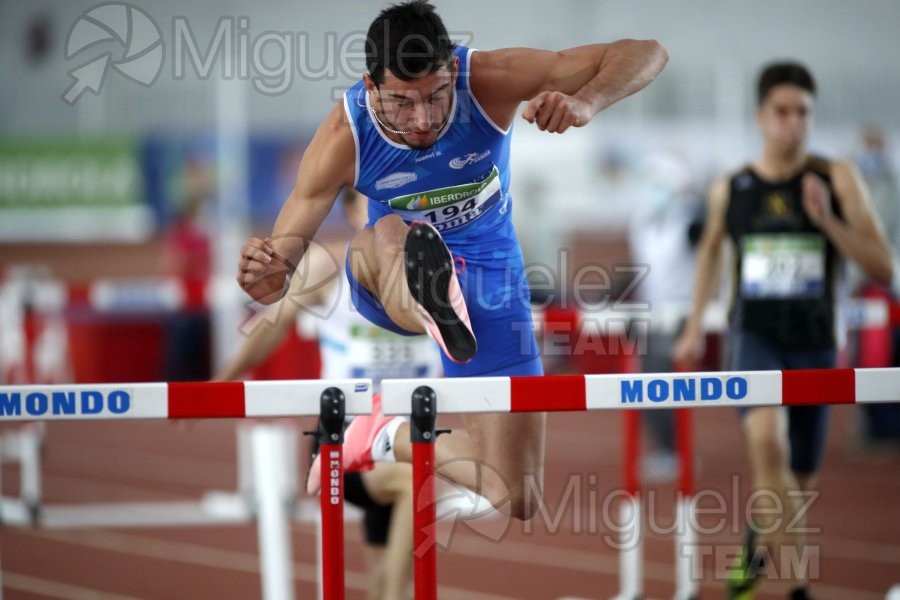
(630, 512)
(331, 500)
(270, 468)
(30, 440)
(686, 587)
(422, 435)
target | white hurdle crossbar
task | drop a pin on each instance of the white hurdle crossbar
(622, 391)
(561, 393)
(241, 399)
(469, 395)
(268, 476)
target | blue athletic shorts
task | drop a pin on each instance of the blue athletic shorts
(499, 306)
(807, 425)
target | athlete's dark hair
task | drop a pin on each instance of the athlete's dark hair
(409, 40)
(780, 73)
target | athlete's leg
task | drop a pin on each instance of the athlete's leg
(376, 262)
(388, 559)
(806, 481)
(498, 456)
(375, 570)
(398, 558)
(766, 430)
(768, 449)
(807, 432)
(391, 484)
(405, 275)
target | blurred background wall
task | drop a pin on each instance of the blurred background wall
(715, 47)
(169, 178)
(142, 142)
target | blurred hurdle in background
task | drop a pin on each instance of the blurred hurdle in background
(50, 330)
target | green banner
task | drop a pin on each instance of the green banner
(443, 196)
(783, 242)
(39, 174)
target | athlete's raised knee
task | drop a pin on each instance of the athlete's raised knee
(390, 234)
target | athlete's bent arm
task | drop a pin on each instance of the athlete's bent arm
(859, 236)
(327, 166)
(690, 347)
(278, 319)
(565, 88)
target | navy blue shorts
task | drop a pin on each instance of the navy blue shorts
(807, 425)
(499, 306)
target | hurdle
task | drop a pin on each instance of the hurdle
(329, 400)
(631, 554)
(425, 399)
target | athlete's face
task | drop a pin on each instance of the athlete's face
(785, 117)
(416, 110)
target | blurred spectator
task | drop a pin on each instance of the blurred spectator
(664, 208)
(187, 241)
(875, 164)
(879, 346)
(188, 258)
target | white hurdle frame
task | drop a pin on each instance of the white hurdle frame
(578, 393)
(267, 482)
(581, 393)
(472, 395)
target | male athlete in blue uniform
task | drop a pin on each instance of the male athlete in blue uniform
(425, 136)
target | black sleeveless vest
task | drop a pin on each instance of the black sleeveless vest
(785, 270)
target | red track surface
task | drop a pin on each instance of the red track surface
(859, 542)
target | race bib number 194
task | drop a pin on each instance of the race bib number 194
(783, 266)
(451, 207)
